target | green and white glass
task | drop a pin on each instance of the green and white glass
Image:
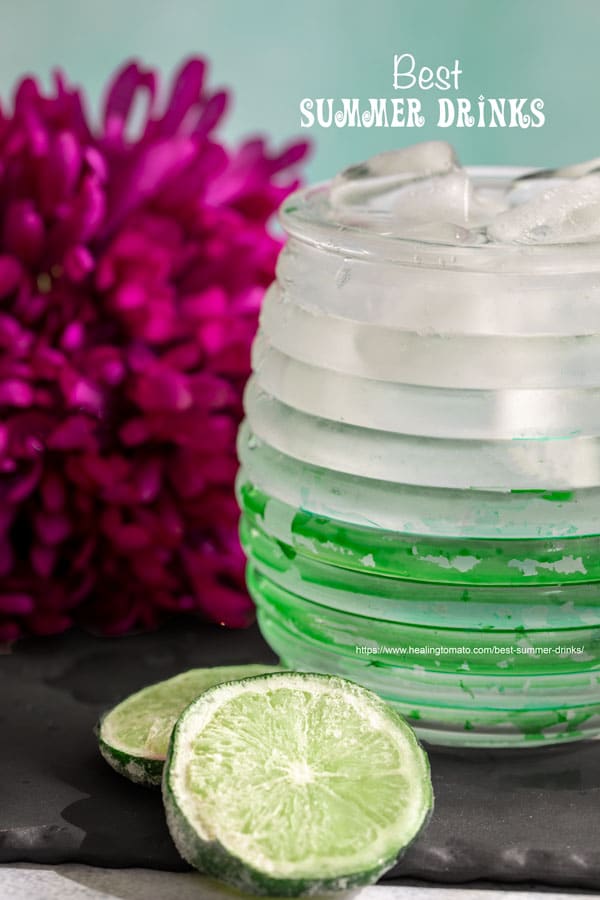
(420, 459)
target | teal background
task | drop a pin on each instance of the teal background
(274, 52)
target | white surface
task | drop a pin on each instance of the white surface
(75, 882)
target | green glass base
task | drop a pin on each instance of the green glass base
(510, 663)
(432, 717)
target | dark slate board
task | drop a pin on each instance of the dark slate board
(530, 816)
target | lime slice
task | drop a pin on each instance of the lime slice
(134, 736)
(292, 783)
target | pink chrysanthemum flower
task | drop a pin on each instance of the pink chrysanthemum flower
(131, 274)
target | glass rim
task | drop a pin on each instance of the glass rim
(301, 217)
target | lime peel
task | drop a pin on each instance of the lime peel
(133, 737)
(294, 783)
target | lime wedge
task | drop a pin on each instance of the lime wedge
(292, 783)
(134, 736)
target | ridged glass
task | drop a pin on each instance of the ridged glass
(420, 475)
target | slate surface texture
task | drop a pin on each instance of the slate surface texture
(531, 816)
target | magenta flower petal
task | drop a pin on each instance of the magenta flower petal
(10, 275)
(214, 110)
(43, 560)
(162, 390)
(187, 87)
(96, 164)
(148, 479)
(52, 528)
(120, 98)
(63, 165)
(134, 432)
(291, 155)
(7, 559)
(79, 262)
(14, 392)
(133, 260)
(27, 99)
(16, 604)
(53, 492)
(75, 433)
(23, 232)
(22, 484)
(89, 209)
(149, 172)
(72, 337)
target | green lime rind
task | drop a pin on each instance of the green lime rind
(133, 737)
(193, 820)
(147, 772)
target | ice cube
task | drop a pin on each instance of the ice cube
(487, 203)
(576, 170)
(426, 158)
(524, 190)
(369, 182)
(566, 213)
(425, 201)
(438, 198)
